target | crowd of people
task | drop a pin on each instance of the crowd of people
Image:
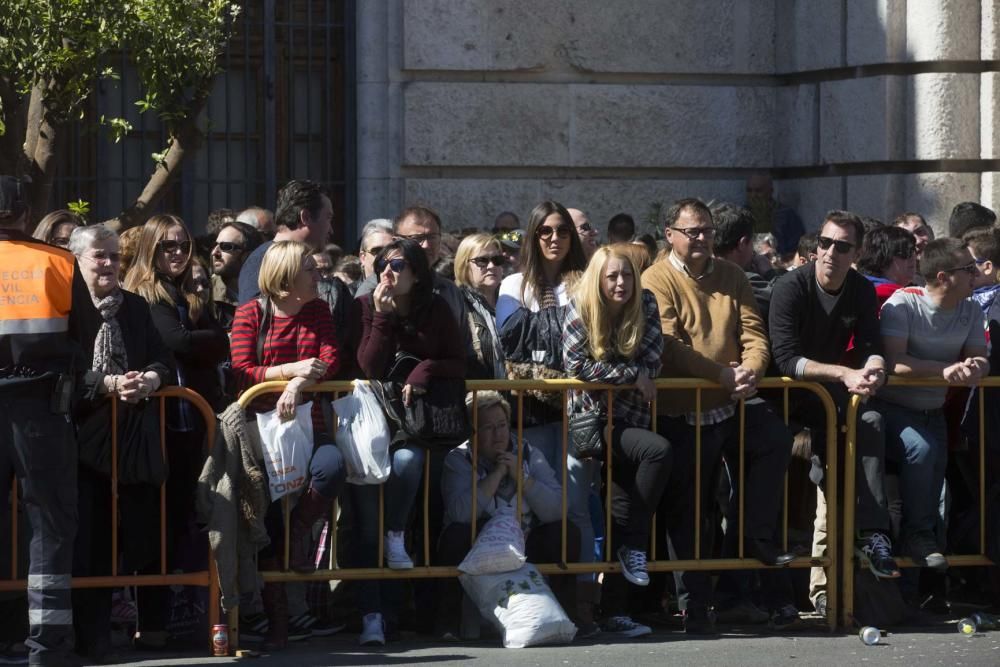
(730, 294)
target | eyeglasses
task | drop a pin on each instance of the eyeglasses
(585, 228)
(419, 238)
(227, 247)
(483, 262)
(169, 246)
(969, 268)
(545, 232)
(843, 247)
(375, 250)
(396, 264)
(101, 256)
(513, 236)
(200, 284)
(694, 232)
(61, 241)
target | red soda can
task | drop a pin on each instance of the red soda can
(220, 640)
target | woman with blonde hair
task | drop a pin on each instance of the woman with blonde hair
(56, 227)
(479, 268)
(613, 336)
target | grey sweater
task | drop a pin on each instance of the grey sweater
(541, 495)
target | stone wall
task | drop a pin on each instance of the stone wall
(477, 106)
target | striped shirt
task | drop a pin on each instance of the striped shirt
(308, 334)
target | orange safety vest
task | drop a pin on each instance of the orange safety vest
(35, 288)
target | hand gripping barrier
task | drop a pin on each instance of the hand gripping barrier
(610, 563)
(207, 578)
(850, 453)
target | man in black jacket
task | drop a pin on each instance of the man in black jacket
(817, 312)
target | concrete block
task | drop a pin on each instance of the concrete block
(808, 35)
(486, 124)
(876, 195)
(935, 194)
(373, 202)
(796, 114)
(942, 117)
(990, 33)
(810, 197)
(371, 21)
(942, 30)
(563, 35)
(855, 120)
(474, 202)
(876, 31)
(640, 198)
(990, 190)
(373, 131)
(666, 126)
(989, 115)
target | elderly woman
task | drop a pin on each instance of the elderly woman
(130, 360)
(888, 259)
(497, 472)
(479, 268)
(56, 227)
(288, 334)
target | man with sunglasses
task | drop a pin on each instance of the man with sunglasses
(590, 238)
(816, 310)
(233, 244)
(375, 235)
(934, 331)
(712, 330)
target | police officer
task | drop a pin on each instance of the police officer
(39, 288)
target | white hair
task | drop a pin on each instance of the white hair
(83, 238)
(376, 225)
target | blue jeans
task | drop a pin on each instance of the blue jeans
(917, 440)
(581, 474)
(399, 493)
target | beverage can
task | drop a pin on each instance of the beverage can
(220, 640)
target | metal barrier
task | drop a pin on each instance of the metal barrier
(850, 453)
(610, 563)
(208, 578)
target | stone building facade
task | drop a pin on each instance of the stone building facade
(477, 106)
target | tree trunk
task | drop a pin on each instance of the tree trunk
(186, 140)
(42, 168)
(15, 115)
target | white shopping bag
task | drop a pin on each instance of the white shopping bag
(363, 436)
(499, 546)
(287, 447)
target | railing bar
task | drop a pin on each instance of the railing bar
(334, 517)
(427, 508)
(381, 521)
(474, 511)
(607, 447)
(163, 487)
(982, 469)
(114, 484)
(697, 474)
(287, 512)
(740, 484)
(565, 458)
(784, 507)
(652, 528)
(13, 528)
(520, 448)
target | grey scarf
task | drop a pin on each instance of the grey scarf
(109, 346)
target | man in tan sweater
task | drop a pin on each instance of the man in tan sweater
(712, 330)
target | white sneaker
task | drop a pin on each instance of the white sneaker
(395, 551)
(372, 630)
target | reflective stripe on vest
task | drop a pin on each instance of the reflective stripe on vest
(36, 288)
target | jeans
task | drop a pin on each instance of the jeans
(581, 475)
(400, 490)
(917, 440)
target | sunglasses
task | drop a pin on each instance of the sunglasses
(170, 247)
(419, 238)
(843, 247)
(694, 232)
(969, 268)
(483, 262)
(585, 227)
(374, 250)
(397, 264)
(562, 232)
(228, 247)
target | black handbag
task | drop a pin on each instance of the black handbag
(435, 419)
(586, 434)
(140, 458)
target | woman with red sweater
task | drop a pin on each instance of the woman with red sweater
(401, 317)
(295, 334)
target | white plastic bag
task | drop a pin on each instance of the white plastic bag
(521, 606)
(287, 447)
(363, 436)
(499, 546)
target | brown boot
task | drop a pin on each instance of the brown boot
(276, 608)
(302, 548)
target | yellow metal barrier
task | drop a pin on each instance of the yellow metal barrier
(828, 562)
(207, 578)
(850, 453)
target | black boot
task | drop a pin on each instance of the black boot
(302, 548)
